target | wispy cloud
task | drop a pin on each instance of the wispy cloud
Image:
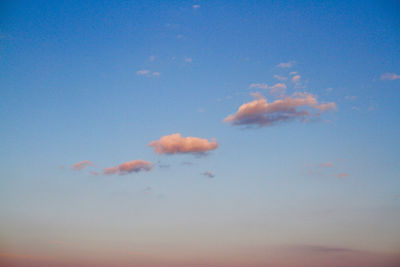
(175, 144)
(147, 73)
(208, 174)
(280, 78)
(326, 164)
(129, 167)
(342, 175)
(390, 77)
(286, 64)
(261, 113)
(188, 60)
(273, 89)
(81, 165)
(196, 6)
(296, 78)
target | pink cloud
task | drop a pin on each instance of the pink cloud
(273, 89)
(285, 64)
(296, 78)
(327, 164)
(208, 174)
(342, 175)
(129, 167)
(81, 165)
(261, 113)
(390, 77)
(175, 143)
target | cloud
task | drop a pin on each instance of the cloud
(152, 58)
(208, 174)
(326, 164)
(280, 78)
(342, 175)
(273, 89)
(175, 143)
(296, 78)
(390, 77)
(259, 86)
(81, 165)
(188, 59)
(196, 6)
(147, 73)
(129, 167)
(261, 113)
(285, 64)
(143, 72)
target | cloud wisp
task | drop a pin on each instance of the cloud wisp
(81, 165)
(390, 77)
(208, 174)
(278, 88)
(148, 73)
(176, 144)
(261, 113)
(286, 64)
(129, 167)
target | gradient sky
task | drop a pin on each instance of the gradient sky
(98, 100)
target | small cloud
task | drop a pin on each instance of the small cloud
(296, 78)
(188, 59)
(285, 64)
(196, 7)
(81, 165)
(94, 173)
(179, 36)
(147, 73)
(152, 58)
(208, 174)
(176, 144)
(129, 167)
(147, 189)
(259, 86)
(143, 72)
(326, 164)
(342, 175)
(201, 110)
(261, 113)
(280, 78)
(390, 77)
(330, 89)
(293, 73)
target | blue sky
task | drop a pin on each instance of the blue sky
(98, 82)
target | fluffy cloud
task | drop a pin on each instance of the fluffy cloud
(175, 143)
(129, 167)
(81, 165)
(208, 174)
(261, 113)
(390, 77)
(285, 64)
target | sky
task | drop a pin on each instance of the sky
(200, 133)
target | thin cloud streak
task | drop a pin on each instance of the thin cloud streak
(81, 165)
(129, 167)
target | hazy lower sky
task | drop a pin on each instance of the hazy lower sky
(200, 133)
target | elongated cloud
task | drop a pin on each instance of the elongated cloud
(326, 164)
(273, 89)
(175, 143)
(390, 77)
(285, 64)
(342, 175)
(129, 167)
(280, 78)
(261, 113)
(81, 165)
